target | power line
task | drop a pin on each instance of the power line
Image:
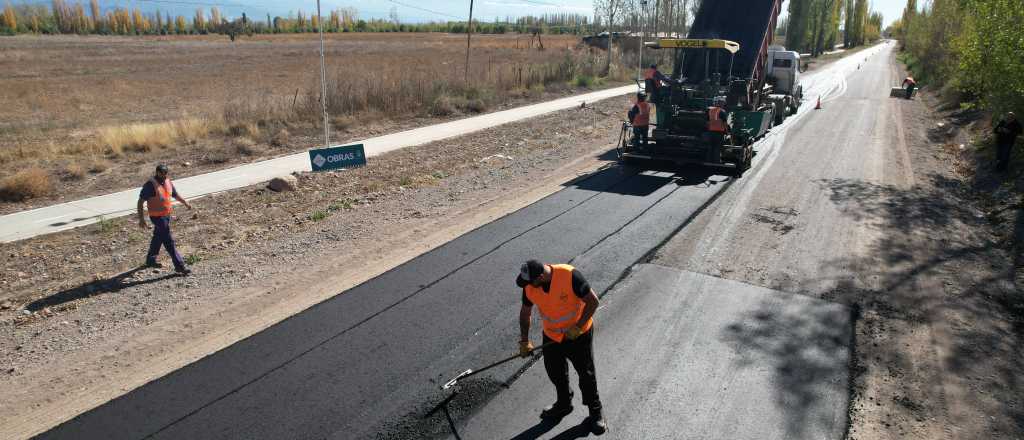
(426, 10)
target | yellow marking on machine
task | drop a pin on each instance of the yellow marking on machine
(677, 43)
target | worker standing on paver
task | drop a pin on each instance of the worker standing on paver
(566, 305)
(717, 127)
(654, 80)
(1006, 131)
(157, 194)
(909, 84)
(640, 117)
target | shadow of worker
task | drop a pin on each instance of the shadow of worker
(94, 288)
(534, 432)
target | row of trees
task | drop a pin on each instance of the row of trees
(972, 46)
(813, 25)
(61, 17)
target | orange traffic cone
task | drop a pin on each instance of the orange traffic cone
(818, 107)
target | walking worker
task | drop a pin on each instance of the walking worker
(566, 305)
(157, 194)
(909, 84)
(640, 117)
(1006, 132)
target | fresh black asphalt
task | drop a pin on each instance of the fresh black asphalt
(367, 362)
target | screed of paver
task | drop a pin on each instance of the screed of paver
(686, 355)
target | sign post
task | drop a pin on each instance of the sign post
(347, 156)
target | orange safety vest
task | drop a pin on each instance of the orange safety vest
(560, 309)
(715, 123)
(650, 74)
(644, 116)
(160, 204)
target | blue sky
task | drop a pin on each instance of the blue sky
(412, 10)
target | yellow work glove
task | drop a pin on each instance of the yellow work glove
(574, 333)
(525, 348)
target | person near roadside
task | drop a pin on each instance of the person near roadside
(640, 117)
(566, 304)
(909, 84)
(159, 194)
(1006, 132)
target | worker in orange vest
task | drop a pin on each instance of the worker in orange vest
(910, 84)
(157, 194)
(640, 117)
(566, 305)
(717, 127)
(653, 79)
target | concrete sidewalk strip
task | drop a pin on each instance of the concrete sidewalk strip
(686, 355)
(27, 224)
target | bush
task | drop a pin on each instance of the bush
(74, 171)
(26, 184)
(584, 81)
(442, 106)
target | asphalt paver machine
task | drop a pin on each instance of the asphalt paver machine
(726, 58)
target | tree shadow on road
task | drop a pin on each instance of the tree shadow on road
(808, 347)
(935, 268)
(94, 288)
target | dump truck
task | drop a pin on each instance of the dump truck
(727, 56)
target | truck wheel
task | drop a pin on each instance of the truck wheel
(780, 115)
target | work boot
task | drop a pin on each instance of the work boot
(561, 408)
(597, 423)
(153, 265)
(184, 271)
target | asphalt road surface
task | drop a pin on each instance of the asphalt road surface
(674, 357)
(63, 216)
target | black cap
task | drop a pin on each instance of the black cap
(530, 271)
(161, 168)
(654, 66)
(641, 95)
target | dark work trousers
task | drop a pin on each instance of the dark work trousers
(910, 91)
(714, 140)
(162, 236)
(640, 135)
(1003, 156)
(581, 353)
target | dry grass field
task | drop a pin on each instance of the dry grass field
(89, 114)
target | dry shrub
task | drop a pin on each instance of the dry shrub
(147, 137)
(74, 171)
(247, 129)
(98, 165)
(477, 105)
(342, 123)
(442, 106)
(246, 147)
(26, 184)
(280, 139)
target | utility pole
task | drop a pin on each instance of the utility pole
(469, 35)
(640, 49)
(323, 77)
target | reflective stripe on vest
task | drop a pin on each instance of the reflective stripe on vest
(643, 117)
(715, 123)
(160, 204)
(559, 308)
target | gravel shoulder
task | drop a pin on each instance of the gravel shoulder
(87, 326)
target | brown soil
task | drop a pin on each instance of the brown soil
(76, 307)
(51, 109)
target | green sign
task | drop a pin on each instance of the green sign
(337, 157)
